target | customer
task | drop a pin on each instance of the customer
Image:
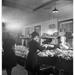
(8, 57)
(32, 59)
(63, 44)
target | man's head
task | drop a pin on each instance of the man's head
(35, 36)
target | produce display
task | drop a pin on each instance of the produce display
(65, 54)
(21, 51)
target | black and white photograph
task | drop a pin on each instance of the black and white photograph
(37, 37)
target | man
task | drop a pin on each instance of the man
(32, 59)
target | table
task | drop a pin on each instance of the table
(59, 63)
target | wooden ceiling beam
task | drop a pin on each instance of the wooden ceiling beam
(45, 4)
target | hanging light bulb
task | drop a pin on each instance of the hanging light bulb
(55, 10)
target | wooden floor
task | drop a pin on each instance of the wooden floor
(18, 70)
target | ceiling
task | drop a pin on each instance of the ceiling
(22, 11)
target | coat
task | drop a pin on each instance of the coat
(8, 56)
(32, 58)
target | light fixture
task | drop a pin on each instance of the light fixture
(55, 10)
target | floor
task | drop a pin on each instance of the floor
(18, 70)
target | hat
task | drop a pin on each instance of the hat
(34, 34)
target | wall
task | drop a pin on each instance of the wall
(44, 26)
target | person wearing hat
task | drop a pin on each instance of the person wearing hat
(32, 61)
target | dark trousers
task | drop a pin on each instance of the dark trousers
(9, 70)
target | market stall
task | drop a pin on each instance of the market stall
(62, 60)
(52, 59)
